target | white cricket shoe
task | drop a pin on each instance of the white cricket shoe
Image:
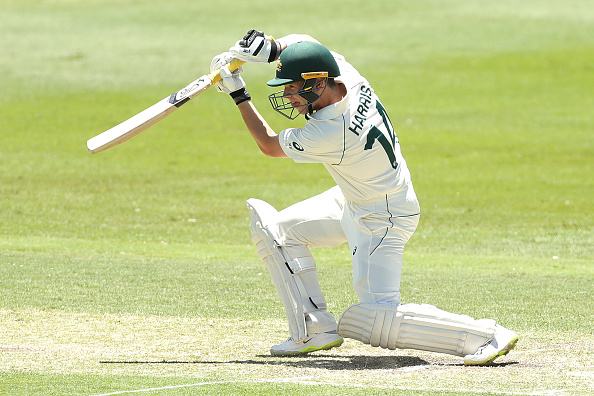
(316, 342)
(504, 341)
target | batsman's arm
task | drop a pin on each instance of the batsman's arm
(295, 38)
(265, 137)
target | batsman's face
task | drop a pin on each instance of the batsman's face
(291, 94)
(292, 91)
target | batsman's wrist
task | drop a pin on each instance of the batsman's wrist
(240, 96)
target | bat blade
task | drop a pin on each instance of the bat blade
(145, 119)
(131, 127)
(139, 123)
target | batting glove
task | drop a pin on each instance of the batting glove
(255, 46)
(231, 82)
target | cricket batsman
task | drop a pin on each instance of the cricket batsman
(373, 207)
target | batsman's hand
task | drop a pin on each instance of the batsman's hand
(231, 83)
(255, 46)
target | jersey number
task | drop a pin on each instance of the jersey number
(376, 134)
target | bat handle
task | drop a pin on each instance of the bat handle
(233, 65)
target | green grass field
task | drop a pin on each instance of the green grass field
(132, 271)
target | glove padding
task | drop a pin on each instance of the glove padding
(230, 81)
(255, 46)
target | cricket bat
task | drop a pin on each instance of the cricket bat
(147, 118)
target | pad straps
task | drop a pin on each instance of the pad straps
(293, 272)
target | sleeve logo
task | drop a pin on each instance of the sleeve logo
(297, 146)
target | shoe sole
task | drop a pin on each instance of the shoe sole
(510, 345)
(310, 349)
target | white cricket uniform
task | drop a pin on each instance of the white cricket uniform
(374, 207)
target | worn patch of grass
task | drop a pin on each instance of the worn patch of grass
(233, 354)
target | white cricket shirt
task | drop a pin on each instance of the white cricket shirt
(355, 141)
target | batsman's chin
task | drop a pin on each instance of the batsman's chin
(301, 108)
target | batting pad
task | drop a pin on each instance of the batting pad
(415, 326)
(294, 274)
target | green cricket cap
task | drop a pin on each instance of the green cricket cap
(302, 61)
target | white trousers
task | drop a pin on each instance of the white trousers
(376, 232)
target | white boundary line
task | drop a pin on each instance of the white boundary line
(163, 388)
(291, 380)
(308, 381)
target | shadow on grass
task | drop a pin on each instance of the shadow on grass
(329, 362)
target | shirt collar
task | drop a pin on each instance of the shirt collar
(332, 111)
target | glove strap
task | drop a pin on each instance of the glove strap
(275, 50)
(240, 96)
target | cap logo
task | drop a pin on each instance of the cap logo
(279, 66)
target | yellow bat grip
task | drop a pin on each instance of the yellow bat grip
(233, 65)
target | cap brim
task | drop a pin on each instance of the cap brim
(276, 82)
